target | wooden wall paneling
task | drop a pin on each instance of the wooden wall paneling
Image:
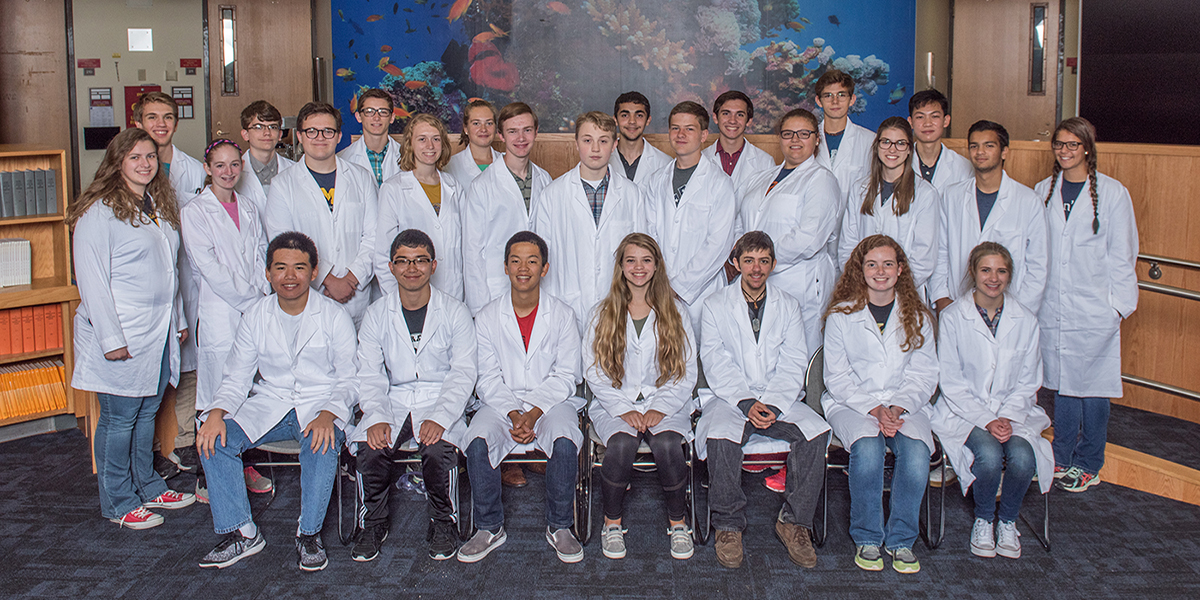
(1140, 471)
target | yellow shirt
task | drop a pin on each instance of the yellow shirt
(434, 192)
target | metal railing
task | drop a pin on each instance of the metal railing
(1169, 290)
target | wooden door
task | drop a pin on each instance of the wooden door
(274, 50)
(993, 62)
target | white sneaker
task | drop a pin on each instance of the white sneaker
(612, 541)
(1008, 540)
(681, 542)
(982, 542)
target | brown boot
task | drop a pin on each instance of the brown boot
(798, 543)
(729, 549)
(512, 476)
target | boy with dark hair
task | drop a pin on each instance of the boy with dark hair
(262, 126)
(739, 158)
(929, 115)
(635, 158)
(374, 149)
(845, 147)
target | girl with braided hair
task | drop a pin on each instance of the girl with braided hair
(1091, 286)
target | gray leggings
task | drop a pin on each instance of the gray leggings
(617, 470)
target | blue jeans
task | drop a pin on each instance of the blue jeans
(124, 447)
(1080, 432)
(909, 479)
(561, 471)
(227, 484)
(1015, 459)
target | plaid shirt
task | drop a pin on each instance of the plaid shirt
(595, 196)
(992, 324)
(376, 159)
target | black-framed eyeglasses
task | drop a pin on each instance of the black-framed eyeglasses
(313, 133)
(1072, 146)
(273, 127)
(371, 112)
(405, 262)
(804, 134)
(900, 145)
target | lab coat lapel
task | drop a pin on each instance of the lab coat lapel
(309, 324)
(433, 320)
(1003, 199)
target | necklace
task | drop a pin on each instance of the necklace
(755, 309)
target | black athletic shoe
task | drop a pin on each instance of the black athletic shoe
(165, 467)
(366, 547)
(443, 540)
(312, 552)
(188, 460)
(233, 547)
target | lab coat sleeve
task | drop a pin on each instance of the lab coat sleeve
(920, 374)
(820, 215)
(363, 266)
(851, 230)
(725, 378)
(1017, 405)
(923, 250)
(386, 230)
(560, 383)
(1122, 251)
(939, 280)
(786, 386)
(373, 382)
(241, 366)
(1037, 258)
(93, 271)
(957, 392)
(199, 241)
(492, 388)
(475, 291)
(460, 381)
(675, 394)
(844, 386)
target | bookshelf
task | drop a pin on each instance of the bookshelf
(50, 244)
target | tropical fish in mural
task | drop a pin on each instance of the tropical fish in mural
(351, 44)
(345, 74)
(392, 70)
(408, 10)
(373, 18)
(408, 27)
(499, 32)
(456, 11)
(794, 26)
(401, 113)
(806, 20)
(384, 61)
(385, 48)
(558, 7)
(896, 94)
(341, 15)
(395, 8)
(414, 85)
(484, 37)
(833, 19)
(367, 58)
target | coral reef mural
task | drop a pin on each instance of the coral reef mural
(564, 57)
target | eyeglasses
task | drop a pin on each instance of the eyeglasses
(832, 95)
(313, 133)
(900, 145)
(371, 112)
(803, 134)
(260, 127)
(417, 262)
(1072, 146)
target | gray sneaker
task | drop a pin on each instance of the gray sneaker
(312, 552)
(681, 542)
(232, 548)
(612, 541)
(481, 544)
(564, 543)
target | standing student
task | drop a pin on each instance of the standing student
(692, 211)
(262, 126)
(635, 158)
(845, 145)
(1091, 288)
(991, 207)
(755, 353)
(129, 322)
(157, 113)
(499, 203)
(374, 149)
(479, 130)
(290, 376)
(880, 371)
(529, 348)
(332, 201)
(587, 212)
(422, 196)
(740, 159)
(988, 418)
(929, 115)
(416, 354)
(639, 358)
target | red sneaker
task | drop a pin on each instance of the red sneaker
(777, 482)
(256, 483)
(171, 499)
(139, 518)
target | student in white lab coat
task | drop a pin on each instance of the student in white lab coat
(1091, 288)
(333, 202)
(740, 159)
(845, 146)
(929, 115)
(477, 154)
(262, 126)
(800, 206)
(425, 197)
(755, 355)
(587, 212)
(635, 158)
(375, 150)
(894, 201)
(988, 418)
(290, 376)
(692, 211)
(639, 358)
(499, 203)
(991, 207)
(529, 349)
(880, 371)
(129, 321)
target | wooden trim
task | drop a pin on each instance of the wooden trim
(1150, 474)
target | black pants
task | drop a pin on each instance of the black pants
(376, 472)
(617, 469)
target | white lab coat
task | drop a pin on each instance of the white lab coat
(266, 377)
(463, 167)
(512, 377)
(128, 298)
(404, 205)
(916, 230)
(431, 383)
(853, 160)
(697, 234)
(230, 263)
(951, 168)
(186, 176)
(357, 154)
(770, 369)
(1017, 221)
(582, 253)
(249, 186)
(753, 161)
(651, 160)
(492, 210)
(345, 236)
(802, 215)
(1092, 286)
(673, 399)
(984, 378)
(865, 369)
(187, 179)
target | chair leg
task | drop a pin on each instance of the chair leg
(699, 535)
(345, 534)
(464, 505)
(819, 538)
(1044, 537)
(583, 494)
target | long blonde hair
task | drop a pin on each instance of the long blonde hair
(850, 293)
(109, 186)
(611, 316)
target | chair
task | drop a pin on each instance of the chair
(1043, 537)
(292, 448)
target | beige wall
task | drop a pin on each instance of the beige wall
(933, 35)
(1070, 101)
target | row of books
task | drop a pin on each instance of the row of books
(31, 329)
(31, 388)
(16, 262)
(28, 193)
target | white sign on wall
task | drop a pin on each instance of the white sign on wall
(141, 40)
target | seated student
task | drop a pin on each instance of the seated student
(988, 418)
(528, 369)
(416, 354)
(262, 126)
(880, 372)
(639, 357)
(289, 376)
(754, 356)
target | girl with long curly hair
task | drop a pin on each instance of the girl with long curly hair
(880, 371)
(639, 353)
(130, 321)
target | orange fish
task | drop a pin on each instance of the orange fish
(354, 103)
(401, 113)
(499, 32)
(457, 10)
(559, 8)
(393, 70)
(373, 18)
(470, 100)
(385, 48)
(414, 85)
(383, 62)
(486, 36)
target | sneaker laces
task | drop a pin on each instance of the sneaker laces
(1009, 534)
(870, 552)
(981, 534)
(679, 534)
(311, 543)
(613, 533)
(140, 512)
